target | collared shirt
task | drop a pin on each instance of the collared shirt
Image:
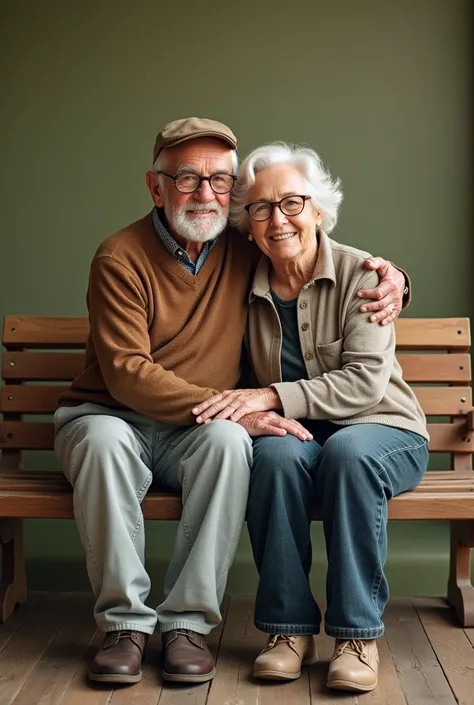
(175, 250)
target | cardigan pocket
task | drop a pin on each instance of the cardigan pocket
(330, 355)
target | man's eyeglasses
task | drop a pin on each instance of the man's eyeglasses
(263, 210)
(188, 182)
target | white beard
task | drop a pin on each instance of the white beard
(195, 230)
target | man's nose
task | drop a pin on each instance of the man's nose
(204, 193)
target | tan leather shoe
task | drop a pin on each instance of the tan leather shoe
(119, 659)
(354, 665)
(187, 658)
(283, 656)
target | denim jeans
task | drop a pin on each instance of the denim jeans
(352, 471)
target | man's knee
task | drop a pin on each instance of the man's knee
(96, 444)
(228, 450)
(227, 436)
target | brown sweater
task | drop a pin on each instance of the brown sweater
(162, 339)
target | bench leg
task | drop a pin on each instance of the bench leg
(460, 588)
(13, 575)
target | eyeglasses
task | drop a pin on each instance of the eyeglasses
(187, 182)
(263, 210)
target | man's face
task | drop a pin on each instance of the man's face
(201, 215)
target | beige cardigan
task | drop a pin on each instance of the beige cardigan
(353, 374)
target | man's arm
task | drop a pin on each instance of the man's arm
(392, 294)
(119, 330)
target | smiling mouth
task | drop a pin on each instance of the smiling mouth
(284, 236)
(213, 212)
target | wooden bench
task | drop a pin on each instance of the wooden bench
(43, 352)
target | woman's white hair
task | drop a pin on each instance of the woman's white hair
(326, 194)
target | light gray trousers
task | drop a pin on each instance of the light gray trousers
(111, 457)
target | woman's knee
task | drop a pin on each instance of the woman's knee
(282, 459)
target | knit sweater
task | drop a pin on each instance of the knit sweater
(162, 339)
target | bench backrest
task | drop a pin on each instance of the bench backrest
(43, 354)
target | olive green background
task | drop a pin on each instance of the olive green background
(381, 88)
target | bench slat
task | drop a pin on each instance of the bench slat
(58, 505)
(56, 366)
(44, 331)
(67, 332)
(444, 401)
(433, 333)
(436, 368)
(50, 366)
(30, 435)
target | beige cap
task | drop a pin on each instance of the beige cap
(190, 128)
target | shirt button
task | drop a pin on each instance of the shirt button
(303, 304)
(305, 326)
(308, 356)
(180, 253)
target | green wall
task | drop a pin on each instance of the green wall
(381, 88)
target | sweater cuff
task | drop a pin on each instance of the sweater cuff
(293, 400)
(406, 300)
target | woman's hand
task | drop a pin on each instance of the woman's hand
(269, 423)
(233, 404)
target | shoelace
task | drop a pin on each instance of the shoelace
(280, 637)
(356, 647)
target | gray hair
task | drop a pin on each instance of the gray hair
(326, 194)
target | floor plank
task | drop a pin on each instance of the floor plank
(23, 651)
(61, 658)
(453, 649)
(470, 634)
(12, 625)
(389, 690)
(420, 674)
(426, 659)
(239, 645)
(80, 690)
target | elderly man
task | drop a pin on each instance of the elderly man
(167, 302)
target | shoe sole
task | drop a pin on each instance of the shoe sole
(114, 678)
(281, 675)
(353, 687)
(189, 678)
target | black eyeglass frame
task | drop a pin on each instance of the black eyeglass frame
(201, 179)
(276, 203)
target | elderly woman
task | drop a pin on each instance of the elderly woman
(321, 362)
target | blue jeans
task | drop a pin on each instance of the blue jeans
(352, 471)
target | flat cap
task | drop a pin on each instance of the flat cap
(190, 128)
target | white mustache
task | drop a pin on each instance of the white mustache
(201, 207)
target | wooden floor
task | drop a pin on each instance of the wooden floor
(426, 659)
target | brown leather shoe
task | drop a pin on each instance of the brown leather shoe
(283, 656)
(187, 658)
(354, 665)
(119, 659)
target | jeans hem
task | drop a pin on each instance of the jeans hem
(292, 629)
(353, 633)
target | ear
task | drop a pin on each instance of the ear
(153, 184)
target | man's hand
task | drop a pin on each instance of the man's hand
(269, 423)
(233, 404)
(389, 292)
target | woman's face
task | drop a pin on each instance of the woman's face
(283, 237)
